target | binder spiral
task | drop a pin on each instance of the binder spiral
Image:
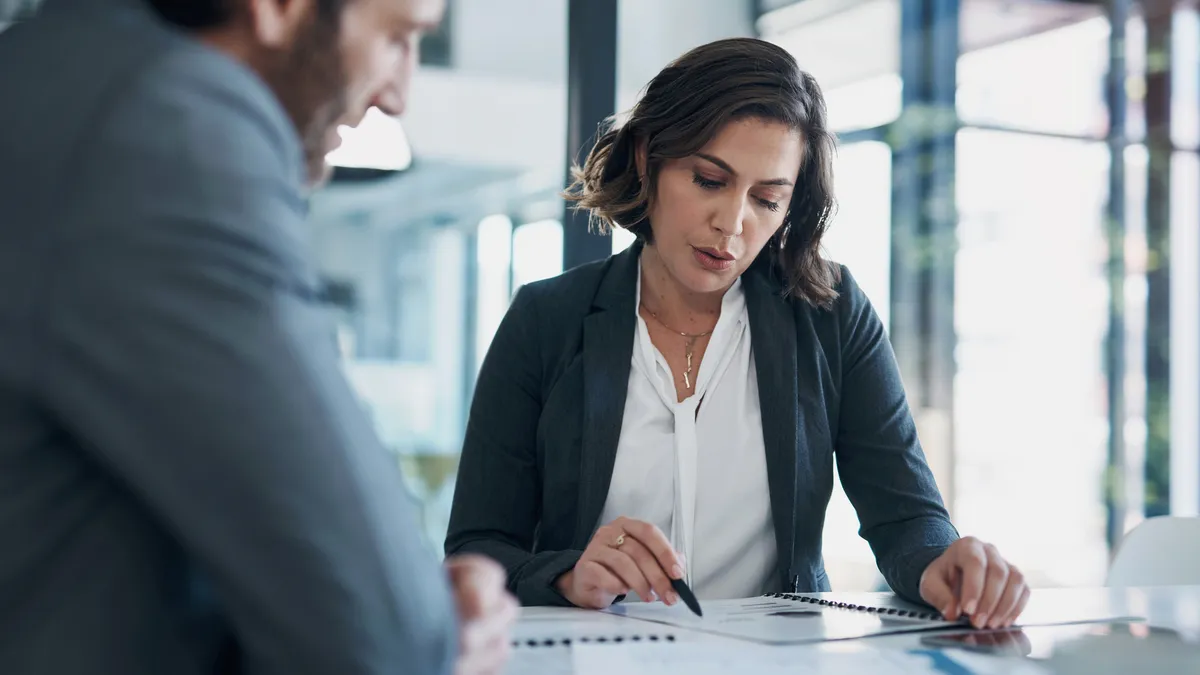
(882, 611)
(600, 639)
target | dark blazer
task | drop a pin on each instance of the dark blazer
(542, 435)
(172, 403)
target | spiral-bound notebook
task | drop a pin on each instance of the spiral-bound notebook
(547, 627)
(543, 641)
(786, 618)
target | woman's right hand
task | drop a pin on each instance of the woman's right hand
(624, 555)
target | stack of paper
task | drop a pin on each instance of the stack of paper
(723, 658)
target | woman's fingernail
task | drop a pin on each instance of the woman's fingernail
(982, 621)
(653, 595)
(673, 599)
(969, 608)
(677, 572)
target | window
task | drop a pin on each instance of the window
(622, 239)
(1051, 82)
(1031, 316)
(411, 301)
(493, 260)
(537, 252)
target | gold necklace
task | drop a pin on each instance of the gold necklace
(689, 345)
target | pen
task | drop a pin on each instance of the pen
(689, 598)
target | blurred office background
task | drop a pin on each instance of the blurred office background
(1018, 184)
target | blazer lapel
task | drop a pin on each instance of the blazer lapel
(608, 336)
(773, 337)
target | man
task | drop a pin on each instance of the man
(187, 484)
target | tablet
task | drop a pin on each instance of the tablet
(1120, 638)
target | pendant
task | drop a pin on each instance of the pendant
(686, 380)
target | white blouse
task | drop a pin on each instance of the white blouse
(699, 472)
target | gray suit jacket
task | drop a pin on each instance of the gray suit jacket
(183, 467)
(542, 436)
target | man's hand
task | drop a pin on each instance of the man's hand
(486, 614)
(972, 578)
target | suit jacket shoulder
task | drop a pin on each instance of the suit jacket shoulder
(571, 289)
(551, 312)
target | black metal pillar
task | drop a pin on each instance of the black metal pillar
(591, 99)
(924, 219)
(1158, 15)
(1114, 226)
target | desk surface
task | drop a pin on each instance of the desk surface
(1176, 608)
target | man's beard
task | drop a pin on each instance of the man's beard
(310, 82)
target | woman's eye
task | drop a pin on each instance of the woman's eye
(768, 204)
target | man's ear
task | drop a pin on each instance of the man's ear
(276, 22)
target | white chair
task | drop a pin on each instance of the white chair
(1162, 551)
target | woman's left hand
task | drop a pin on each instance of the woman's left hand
(972, 578)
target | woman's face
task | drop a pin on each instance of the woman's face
(714, 211)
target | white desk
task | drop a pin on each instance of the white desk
(1176, 608)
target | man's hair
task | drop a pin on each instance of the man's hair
(688, 104)
(201, 14)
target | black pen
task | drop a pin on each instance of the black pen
(689, 598)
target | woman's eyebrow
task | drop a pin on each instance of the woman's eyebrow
(725, 165)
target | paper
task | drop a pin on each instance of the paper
(723, 658)
(544, 637)
(557, 661)
(548, 626)
(776, 620)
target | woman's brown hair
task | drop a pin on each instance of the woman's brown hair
(681, 110)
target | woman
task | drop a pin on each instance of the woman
(676, 411)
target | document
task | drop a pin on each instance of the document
(543, 640)
(560, 626)
(721, 658)
(781, 620)
(540, 662)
